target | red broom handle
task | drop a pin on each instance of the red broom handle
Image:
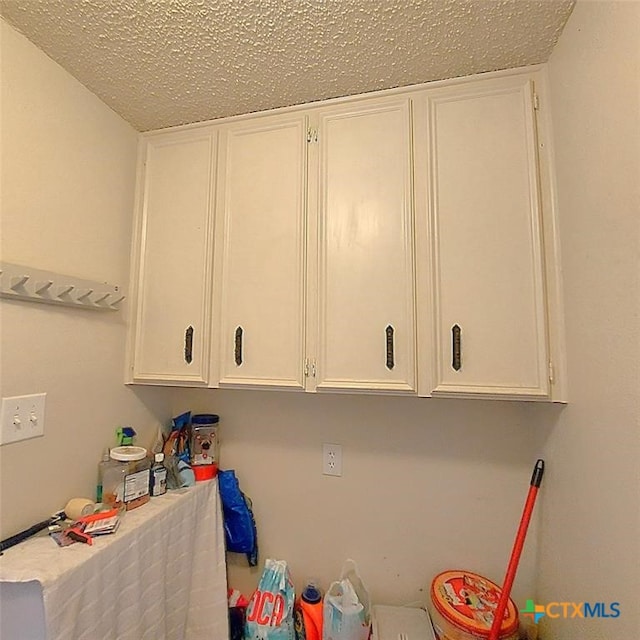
(536, 479)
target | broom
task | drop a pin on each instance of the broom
(536, 479)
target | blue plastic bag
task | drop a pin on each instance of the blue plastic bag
(240, 531)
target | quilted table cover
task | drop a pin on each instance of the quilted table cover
(162, 575)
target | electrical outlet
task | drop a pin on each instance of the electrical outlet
(22, 418)
(332, 459)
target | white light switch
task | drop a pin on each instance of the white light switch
(22, 417)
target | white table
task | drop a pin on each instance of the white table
(162, 575)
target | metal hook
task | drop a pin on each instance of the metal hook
(43, 286)
(65, 291)
(18, 282)
(84, 294)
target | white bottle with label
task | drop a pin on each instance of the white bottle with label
(158, 476)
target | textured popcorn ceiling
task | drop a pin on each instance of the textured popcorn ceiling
(160, 63)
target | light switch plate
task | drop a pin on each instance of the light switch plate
(22, 418)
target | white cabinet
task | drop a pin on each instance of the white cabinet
(314, 236)
(172, 259)
(261, 213)
(365, 310)
(402, 243)
(482, 267)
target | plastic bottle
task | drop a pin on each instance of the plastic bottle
(308, 613)
(102, 465)
(158, 476)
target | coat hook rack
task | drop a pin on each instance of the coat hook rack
(18, 282)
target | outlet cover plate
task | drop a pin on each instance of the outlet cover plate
(332, 459)
(22, 418)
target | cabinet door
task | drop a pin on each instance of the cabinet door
(261, 205)
(365, 268)
(487, 256)
(174, 240)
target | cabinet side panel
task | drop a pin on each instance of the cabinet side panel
(174, 260)
(488, 257)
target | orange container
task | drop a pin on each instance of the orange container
(462, 607)
(204, 471)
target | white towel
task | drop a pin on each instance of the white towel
(161, 576)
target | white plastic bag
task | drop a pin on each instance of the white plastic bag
(347, 607)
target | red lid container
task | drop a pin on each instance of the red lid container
(463, 604)
(204, 471)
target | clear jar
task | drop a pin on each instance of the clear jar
(205, 440)
(126, 477)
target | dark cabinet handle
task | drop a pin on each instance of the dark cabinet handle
(389, 343)
(238, 346)
(456, 347)
(188, 345)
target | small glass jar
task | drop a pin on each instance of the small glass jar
(126, 477)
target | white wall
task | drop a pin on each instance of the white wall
(590, 530)
(68, 174)
(427, 485)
